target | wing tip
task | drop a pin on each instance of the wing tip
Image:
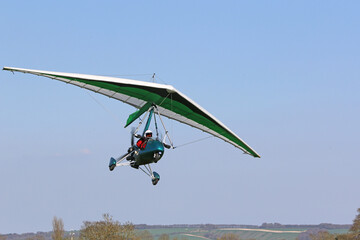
(12, 69)
(251, 153)
(255, 155)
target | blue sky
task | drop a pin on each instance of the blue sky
(283, 75)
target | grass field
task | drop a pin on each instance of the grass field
(259, 234)
(197, 233)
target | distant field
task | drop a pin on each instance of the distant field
(338, 231)
(198, 234)
(259, 234)
(263, 234)
(201, 233)
(263, 230)
(173, 232)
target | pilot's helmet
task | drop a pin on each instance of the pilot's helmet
(148, 133)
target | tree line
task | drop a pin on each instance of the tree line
(109, 229)
(352, 234)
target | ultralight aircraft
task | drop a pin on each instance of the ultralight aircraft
(153, 100)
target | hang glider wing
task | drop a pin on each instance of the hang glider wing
(171, 103)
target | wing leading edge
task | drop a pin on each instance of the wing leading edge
(171, 102)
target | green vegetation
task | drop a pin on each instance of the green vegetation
(109, 229)
(58, 229)
(229, 236)
(352, 234)
(257, 234)
(145, 235)
(36, 237)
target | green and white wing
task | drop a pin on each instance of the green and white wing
(171, 102)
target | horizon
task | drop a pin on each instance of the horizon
(200, 225)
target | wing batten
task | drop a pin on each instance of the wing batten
(137, 93)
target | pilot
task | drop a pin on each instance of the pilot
(141, 143)
(148, 134)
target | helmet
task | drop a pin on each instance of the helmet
(148, 133)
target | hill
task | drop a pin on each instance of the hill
(267, 231)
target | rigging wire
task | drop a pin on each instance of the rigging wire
(156, 127)
(128, 75)
(195, 141)
(144, 171)
(171, 107)
(161, 80)
(153, 78)
(156, 77)
(106, 109)
(164, 99)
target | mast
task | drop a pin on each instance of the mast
(148, 120)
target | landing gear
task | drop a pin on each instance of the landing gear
(155, 178)
(134, 165)
(130, 158)
(118, 161)
(112, 164)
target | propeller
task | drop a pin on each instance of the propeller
(132, 136)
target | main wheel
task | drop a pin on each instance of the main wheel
(155, 179)
(112, 164)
